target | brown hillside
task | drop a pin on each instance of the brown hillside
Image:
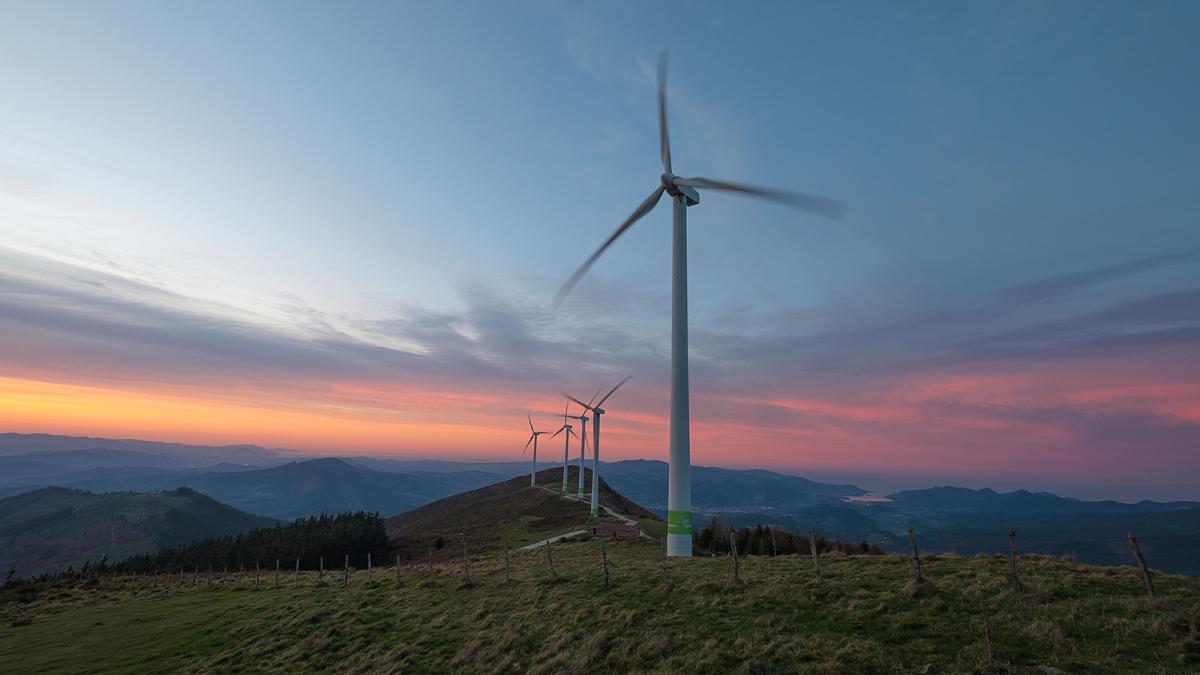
(510, 512)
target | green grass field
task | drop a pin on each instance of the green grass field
(866, 615)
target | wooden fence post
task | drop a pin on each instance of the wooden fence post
(912, 540)
(195, 575)
(507, 572)
(1137, 553)
(550, 560)
(604, 555)
(812, 548)
(774, 547)
(1012, 559)
(397, 569)
(431, 560)
(368, 568)
(466, 562)
(737, 579)
(296, 575)
(346, 572)
(321, 570)
(277, 573)
(256, 573)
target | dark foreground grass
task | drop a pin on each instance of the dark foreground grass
(864, 616)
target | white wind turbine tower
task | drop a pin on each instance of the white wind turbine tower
(583, 420)
(597, 411)
(683, 194)
(533, 436)
(566, 448)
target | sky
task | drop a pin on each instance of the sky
(338, 228)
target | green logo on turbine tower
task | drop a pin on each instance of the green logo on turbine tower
(679, 522)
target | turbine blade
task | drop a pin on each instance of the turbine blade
(530, 419)
(560, 430)
(821, 206)
(664, 139)
(527, 445)
(577, 400)
(613, 390)
(595, 396)
(642, 209)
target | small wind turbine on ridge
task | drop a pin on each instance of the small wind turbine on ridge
(597, 411)
(683, 194)
(566, 448)
(533, 438)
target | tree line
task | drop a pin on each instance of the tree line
(305, 539)
(714, 539)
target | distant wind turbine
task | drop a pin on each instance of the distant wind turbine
(533, 436)
(583, 420)
(566, 448)
(683, 194)
(597, 411)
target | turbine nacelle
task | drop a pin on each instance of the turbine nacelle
(689, 194)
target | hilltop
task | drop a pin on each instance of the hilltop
(510, 512)
(50, 529)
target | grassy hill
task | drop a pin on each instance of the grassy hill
(865, 615)
(510, 512)
(50, 529)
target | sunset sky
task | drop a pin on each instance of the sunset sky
(338, 228)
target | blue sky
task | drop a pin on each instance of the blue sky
(400, 176)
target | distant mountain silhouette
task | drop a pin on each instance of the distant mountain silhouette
(645, 481)
(306, 488)
(53, 528)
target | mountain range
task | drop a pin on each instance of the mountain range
(945, 518)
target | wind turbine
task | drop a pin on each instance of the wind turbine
(566, 448)
(533, 436)
(683, 194)
(597, 411)
(583, 420)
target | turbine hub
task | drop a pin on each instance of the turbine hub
(668, 181)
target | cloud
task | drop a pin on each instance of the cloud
(977, 387)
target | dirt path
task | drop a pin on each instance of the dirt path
(584, 500)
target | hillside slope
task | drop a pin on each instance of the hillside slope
(510, 512)
(50, 529)
(864, 615)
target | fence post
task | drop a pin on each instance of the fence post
(774, 547)
(912, 541)
(431, 560)
(369, 570)
(507, 572)
(321, 570)
(737, 579)
(466, 562)
(397, 569)
(812, 548)
(1137, 553)
(195, 575)
(346, 572)
(550, 560)
(1012, 559)
(277, 573)
(604, 555)
(256, 573)
(296, 575)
